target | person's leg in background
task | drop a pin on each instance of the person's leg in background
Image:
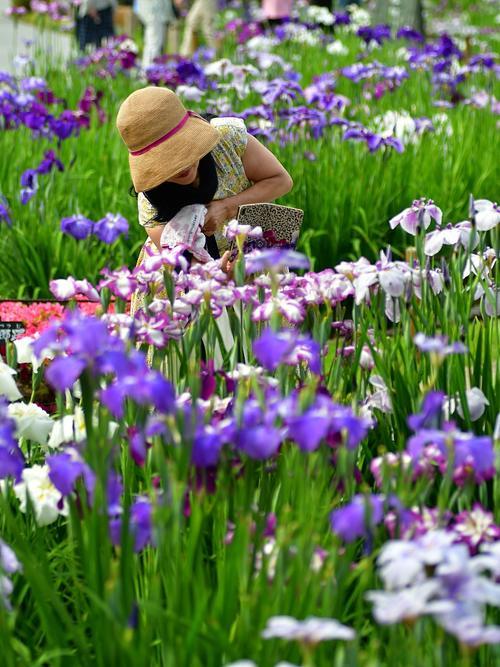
(105, 27)
(154, 37)
(192, 26)
(207, 25)
(173, 37)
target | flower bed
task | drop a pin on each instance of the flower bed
(288, 465)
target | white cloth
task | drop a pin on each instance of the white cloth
(154, 15)
(154, 38)
(154, 11)
(185, 229)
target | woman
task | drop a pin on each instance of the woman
(277, 11)
(177, 158)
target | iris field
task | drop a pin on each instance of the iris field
(320, 488)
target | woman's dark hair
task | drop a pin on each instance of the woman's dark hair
(168, 198)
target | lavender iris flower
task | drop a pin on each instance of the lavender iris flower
(135, 380)
(141, 525)
(438, 345)
(77, 226)
(50, 161)
(310, 631)
(63, 372)
(341, 18)
(358, 518)
(280, 90)
(66, 468)
(29, 183)
(468, 452)
(11, 457)
(324, 419)
(311, 427)
(430, 413)
(109, 228)
(207, 445)
(373, 141)
(257, 434)
(137, 445)
(65, 126)
(4, 211)
(409, 33)
(8, 565)
(287, 347)
(272, 347)
(273, 259)
(376, 34)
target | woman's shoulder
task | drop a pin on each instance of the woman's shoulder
(233, 134)
(147, 212)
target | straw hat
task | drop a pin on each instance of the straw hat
(162, 137)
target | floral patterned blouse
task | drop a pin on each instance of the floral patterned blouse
(232, 180)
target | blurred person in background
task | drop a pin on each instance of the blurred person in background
(200, 19)
(155, 15)
(94, 22)
(276, 11)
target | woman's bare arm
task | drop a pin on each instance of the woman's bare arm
(270, 181)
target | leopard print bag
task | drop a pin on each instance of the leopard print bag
(280, 225)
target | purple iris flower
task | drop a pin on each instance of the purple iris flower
(470, 453)
(135, 380)
(358, 71)
(66, 468)
(257, 434)
(11, 457)
(280, 90)
(341, 18)
(273, 259)
(137, 445)
(50, 161)
(429, 415)
(376, 34)
(109, 228)
(259, 442)
(87, 343)
(344, 421)
(438, 345)
(89, 99)
(141, 525)
(373, 141)
(305, 116)
(114, 491)
(66, 125)
(4, 211)
(63, 372)
(29, 183)
(287, 347)
(207, 445)
(486, 60)
(77, 226)
(208, 381)
(358, 518)
(409, 33)
(311, 427)
(272, 347)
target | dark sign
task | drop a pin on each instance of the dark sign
(10, 330)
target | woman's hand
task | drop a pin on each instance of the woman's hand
(226, 265)
(218, 213)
